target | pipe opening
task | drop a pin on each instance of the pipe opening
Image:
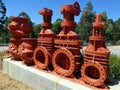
(62, 61)
(92, 72)
(40, 56)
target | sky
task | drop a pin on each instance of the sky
(32, 7)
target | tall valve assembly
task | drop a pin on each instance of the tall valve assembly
(45, 42)
(61, 53)
(67, 57)
(19, 27)
(95, 69)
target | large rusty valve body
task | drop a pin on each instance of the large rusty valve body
(26, 50)
(45, 42)
(67, 57)
(19, 27)
(95, 69)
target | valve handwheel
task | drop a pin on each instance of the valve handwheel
(77, 8)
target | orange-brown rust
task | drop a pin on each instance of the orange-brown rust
(61, 52)
(67, 57)
(19, 27)
(45, 41)
(26, 50)
(96, 56)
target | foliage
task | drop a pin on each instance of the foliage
(118, 42)
(2, 13)
(114, 66)
(116, 31)
(112, 29)
(4, 33)
(84, 27)
(35, 32)
(108, 31)
(3, 18)
(4, 55)
(1, 40)
(57, 26)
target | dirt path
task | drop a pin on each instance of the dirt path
(8, 83)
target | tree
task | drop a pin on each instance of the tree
(105, 19)
(109, 30)
(115, 33)
(84, 27)
(108, 27)
(36, 31)
(2, 13)
(3, 18)
(5, 34)
(57, 26)
(104, 16)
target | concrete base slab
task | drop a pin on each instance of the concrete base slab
(40, 80)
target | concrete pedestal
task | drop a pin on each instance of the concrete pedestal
(40, 80)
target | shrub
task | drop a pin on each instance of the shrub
(114, 66)
(118, 42)
(4, 55)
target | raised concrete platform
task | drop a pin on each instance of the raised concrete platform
(40, 80)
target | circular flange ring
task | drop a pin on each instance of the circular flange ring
(66, 55)
(41, 57)
(96, 78)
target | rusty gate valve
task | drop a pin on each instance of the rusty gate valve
(47, 14)
(95, 69)
(45, 41)
(67, 57)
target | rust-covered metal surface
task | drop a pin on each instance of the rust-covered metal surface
(19, 27)
(67, 57)
(45, 42)
(26, 50)
(60, 54)
(95, 69)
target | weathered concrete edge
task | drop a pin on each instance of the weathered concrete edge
(38, 79)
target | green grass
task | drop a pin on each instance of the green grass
(4, 55)
(114, 66)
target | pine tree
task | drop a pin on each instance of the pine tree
(84, 27)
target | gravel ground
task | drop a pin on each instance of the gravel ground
(8, 83)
